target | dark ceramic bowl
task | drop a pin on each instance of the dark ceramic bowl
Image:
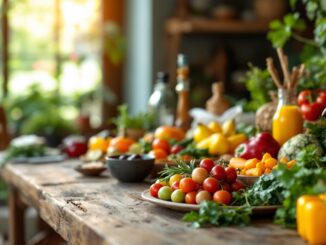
(135, 170)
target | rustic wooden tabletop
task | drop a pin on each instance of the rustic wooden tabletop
(100, 210)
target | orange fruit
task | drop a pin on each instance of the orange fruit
(98, 143)
(122, 144)
(158, 154)
(168, 133)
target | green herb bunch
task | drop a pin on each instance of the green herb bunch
(211, 213)
(182, 167)
(138, 121)
(258, 82)
(296, 182)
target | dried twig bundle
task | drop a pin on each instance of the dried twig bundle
(290, 80)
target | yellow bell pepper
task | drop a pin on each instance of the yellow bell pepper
(311, 218)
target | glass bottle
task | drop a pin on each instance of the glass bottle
(287, 120)
(182, 89)
(162, 102)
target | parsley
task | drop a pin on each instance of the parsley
(296, 182)
(266, 191)
(211, 213)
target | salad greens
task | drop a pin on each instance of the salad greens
(297, 181)
(211, 213)
(24, 151)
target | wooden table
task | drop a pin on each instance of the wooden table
(101, 210)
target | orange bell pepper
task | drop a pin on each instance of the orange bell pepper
(311, 218)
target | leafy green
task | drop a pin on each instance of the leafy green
(49, 125)
(265, 191)
(258, 82)
(211, 213)
(309, 157)
(139, 121)
(281, 32)
(145, 145)
(296, 182)
(317, 73)
(249, 130)
(194, 152)
(318, 130)
(24, 151)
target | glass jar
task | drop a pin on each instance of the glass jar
(287, 120)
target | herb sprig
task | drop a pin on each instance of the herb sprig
(211, 213)
(182, 167)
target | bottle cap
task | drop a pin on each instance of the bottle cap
(163, 76)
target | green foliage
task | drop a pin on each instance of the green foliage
(281, 32)
(258, 82)
(309, 157)
(297, 181)
(265, 191)
(317, 73)
(211, 213)
(182, 167)
(195, 153)
(139, 121)
(37, 112)
(48, 124)
(249, 130)
(35, 150)
(318, 130)
(314, 52)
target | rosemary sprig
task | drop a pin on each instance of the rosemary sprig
(182, 167)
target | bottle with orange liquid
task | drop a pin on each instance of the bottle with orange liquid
(287, 120)
(182, 88)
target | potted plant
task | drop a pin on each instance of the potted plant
(132, 126)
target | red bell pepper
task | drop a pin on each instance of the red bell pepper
(311, 108)
(257, 146)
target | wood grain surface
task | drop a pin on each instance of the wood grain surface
(100, 210)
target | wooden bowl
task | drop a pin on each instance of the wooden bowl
(96, 171)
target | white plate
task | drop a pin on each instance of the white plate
(194, 207)
(52, 155)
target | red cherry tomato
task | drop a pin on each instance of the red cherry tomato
(222, 197)
(226, 186)
(161, 144)
(218, 173)
(312, 112)
(305, 97)
(231, 175)
(187, 185)
(153, 190)
(237, 186)
(207, 163)
(175, 185)
(321, 99)
(190, 197)
(211, 185)
(176, 149)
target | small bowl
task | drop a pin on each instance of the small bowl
(135, 170)
(90, 171)
(247, 180)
